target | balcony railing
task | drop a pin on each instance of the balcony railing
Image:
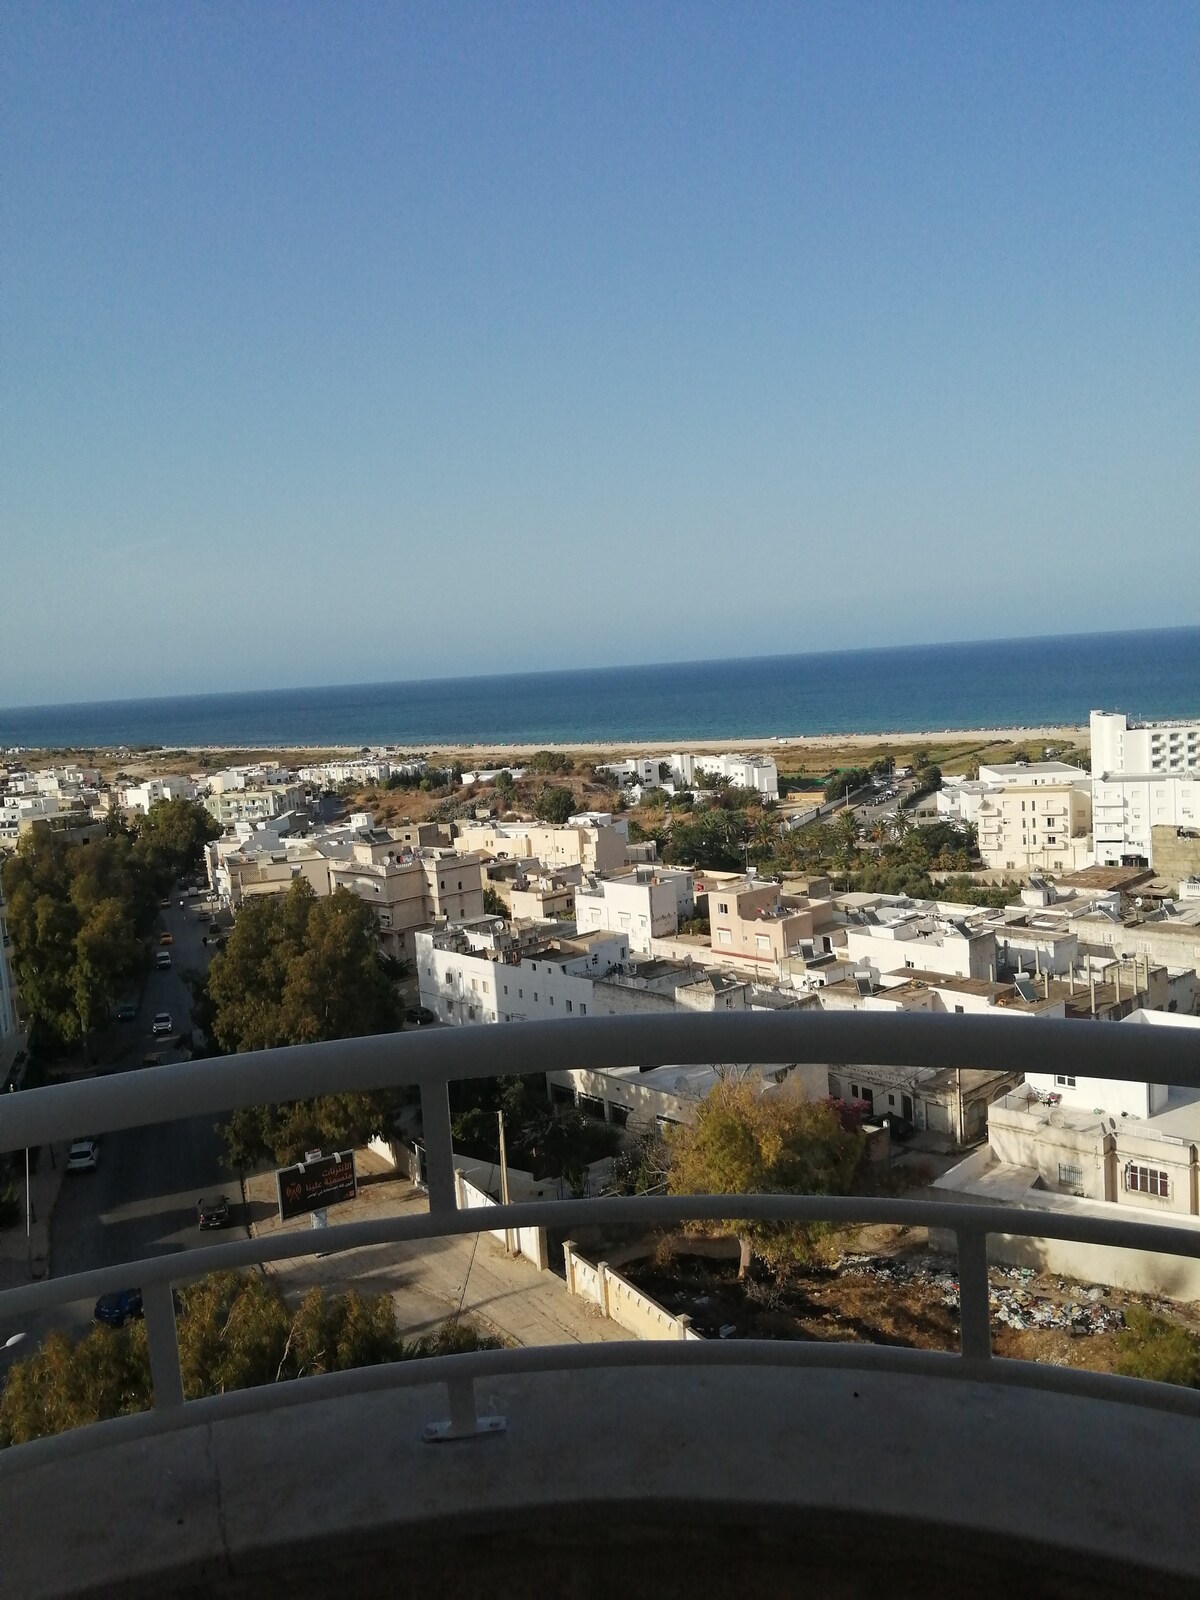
(431, 1060)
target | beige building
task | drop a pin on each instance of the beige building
(593, 846)
(1037, 826)
(409, 890)
(756, 923)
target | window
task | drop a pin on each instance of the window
(618, 1115)
(722, 908)
(520, 994)
(535, 995)
(958, 1010)
(570, 1007)
(1063, 1081)
(582, 1010)
(1147, 1180)
(1069, 1177)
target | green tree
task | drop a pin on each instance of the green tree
(235, 1331)
(77, 916)
(493, 904)
(296, 970)
(745, 1141)
(1151, 1347)
(171, 838)
(554, 804)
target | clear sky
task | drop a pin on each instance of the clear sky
(354, 342)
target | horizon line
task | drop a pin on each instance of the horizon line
(557, 672)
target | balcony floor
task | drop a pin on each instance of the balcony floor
(747, 1482)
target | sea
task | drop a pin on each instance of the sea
(1006, 683)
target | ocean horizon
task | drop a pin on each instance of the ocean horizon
(1005, 683)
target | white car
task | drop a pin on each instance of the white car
(83, 1155)
(162, 1023)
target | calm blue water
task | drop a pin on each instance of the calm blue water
(1012, 683)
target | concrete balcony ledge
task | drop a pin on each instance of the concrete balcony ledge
(739, 1480)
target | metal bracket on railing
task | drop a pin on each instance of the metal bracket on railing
(464, 1421)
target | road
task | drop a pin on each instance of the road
(141, 1199)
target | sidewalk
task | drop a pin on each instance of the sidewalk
(22, 1257)
(435, 1278)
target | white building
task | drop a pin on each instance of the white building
(644, 904)
(464, 980)
(1145, 775)
(141, 796)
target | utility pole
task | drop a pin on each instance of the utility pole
(504, 1178)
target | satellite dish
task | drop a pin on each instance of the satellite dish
(1057, 1120)
(1112, 1123)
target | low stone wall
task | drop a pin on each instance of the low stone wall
(620, 1301)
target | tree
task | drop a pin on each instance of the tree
(493, 904)
(77, 917)
(554, 804)
(236, 1331)
(171, 838)
(745, 1141)
(1151, 1347)
(296, 970)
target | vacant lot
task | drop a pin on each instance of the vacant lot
(906, 1296)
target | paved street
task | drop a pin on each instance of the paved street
(141, 1200)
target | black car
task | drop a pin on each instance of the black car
(213, 1213)
(900, 1128)
(116, 1308)
(419, 1016)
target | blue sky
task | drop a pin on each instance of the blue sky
(361, 342)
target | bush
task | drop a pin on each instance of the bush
(10, 1207)
(1151, 1347)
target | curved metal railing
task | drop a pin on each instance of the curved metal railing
(432, 1060)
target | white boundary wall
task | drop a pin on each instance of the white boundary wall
(620, 1301)
(527, 1242)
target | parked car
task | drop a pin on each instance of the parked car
(163, 960)
(214, 930)
(162, 1024)
(213, 1212)
(899, 1127)
(117, 1307)
(152, 1060)
(83, 1155)
(166, 938)
(126, 1011)
(419, 1016)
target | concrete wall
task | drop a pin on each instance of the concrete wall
(620, 1301)
(527, 1242)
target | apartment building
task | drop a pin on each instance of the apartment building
(230, 805)
(484, 974)
(409, 890)
(756, 923)
(140, 797)
(646, 903)
(595, 846)
(1037, 825)
(1145, 777)
(894, 939)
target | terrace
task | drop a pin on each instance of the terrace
(677, 1467)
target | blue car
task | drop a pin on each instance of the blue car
(116, 1308)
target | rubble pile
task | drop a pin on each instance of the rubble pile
(1078, 1311)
